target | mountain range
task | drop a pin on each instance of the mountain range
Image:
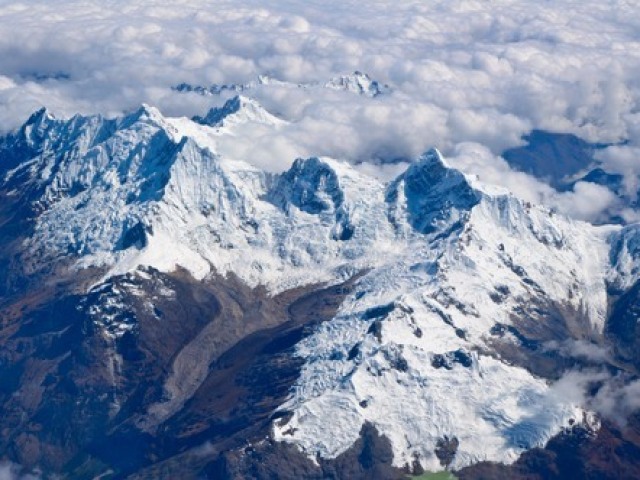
(170, 312)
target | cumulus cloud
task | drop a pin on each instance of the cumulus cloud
(615, 397)
(540, 65)
(13, 471)
(461, 71)
(587, 201)
(580, 349)
(625, 160)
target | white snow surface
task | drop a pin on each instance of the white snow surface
(446, 259)
(357, 82)
(494, 409)
(197, 210)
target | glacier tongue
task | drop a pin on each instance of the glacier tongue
(453, 272)
(409, 351)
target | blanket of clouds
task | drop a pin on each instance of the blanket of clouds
(13, 471)
(469, 77)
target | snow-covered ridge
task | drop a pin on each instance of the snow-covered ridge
(408, 350)
(624, 258)
(357, 82)
(238, 110)
(126, 189)
(453, 267)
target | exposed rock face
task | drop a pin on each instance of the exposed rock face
(446, 449)
(369, 458)
(436, 196)
(148, 365)
(168, 312)
(576, 454)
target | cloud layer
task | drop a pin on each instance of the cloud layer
(13, 471)
(613, 397)
(462, 71)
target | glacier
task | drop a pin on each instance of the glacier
(452, 270)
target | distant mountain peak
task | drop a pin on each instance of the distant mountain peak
(360, 83)
(448, 280)
(357, 82)
(238, 109)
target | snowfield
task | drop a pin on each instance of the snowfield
(451, 266)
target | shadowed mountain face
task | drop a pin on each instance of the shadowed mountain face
(576, 454)
(194, 374)
(562, 160)
(553, 157)
(169, 313)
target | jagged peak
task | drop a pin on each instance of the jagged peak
(266, 79)
(431, 171)
(358, 82)
(311, 184)
(39, 116)
(150, 111)
(431, 158)
(433, 155)
(238, 109)
(37, 124)
(433, 193)
(146, 114)
(314, 171)
(310, 164)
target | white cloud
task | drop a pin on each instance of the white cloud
(615, 397)
(12, 471)
(587, 201)
(624, 160)
(462, 71)
(580, 349)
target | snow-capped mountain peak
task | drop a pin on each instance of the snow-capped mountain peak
(145, 113)
(433, 193)
(358, 82)
(454, 278)
(311, 185)
(237, 110)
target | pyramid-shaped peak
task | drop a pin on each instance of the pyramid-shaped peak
(144, 113)
(433, 155)
(238, 109)
(39, 116)
(435, 193)
(310, 184)
(430, 170)
(36, 126)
